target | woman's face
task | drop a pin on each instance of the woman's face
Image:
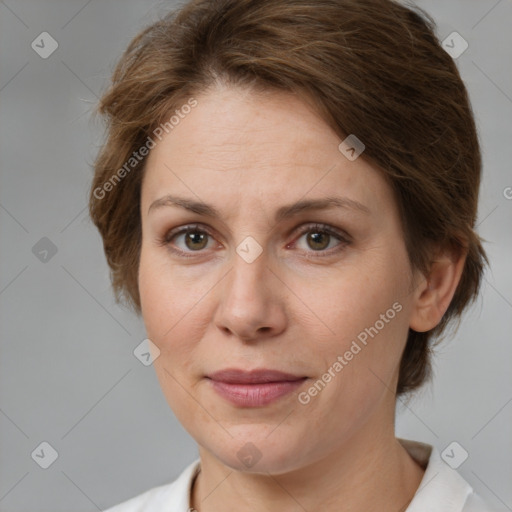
(323, 294)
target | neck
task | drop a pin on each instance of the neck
(368, 472)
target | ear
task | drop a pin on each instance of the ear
(434, 292)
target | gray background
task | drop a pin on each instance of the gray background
(68, 375)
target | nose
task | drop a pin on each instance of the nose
(251, 303)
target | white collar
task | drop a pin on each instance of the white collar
(441, 487)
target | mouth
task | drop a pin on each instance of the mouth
(254, 388)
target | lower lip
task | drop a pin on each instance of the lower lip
(255, 395)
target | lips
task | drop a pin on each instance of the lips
(235, 376)
(255, 388)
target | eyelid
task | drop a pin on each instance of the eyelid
(327, 228)
(183, 229)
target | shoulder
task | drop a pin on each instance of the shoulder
(442, 487)
(145, 500)
(173, 496)
(474, 503)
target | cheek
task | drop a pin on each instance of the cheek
(363, 312)
(164, 312)
(174, 308)
(157, 289)
(356, 297)
(360, 358)
(160, 304)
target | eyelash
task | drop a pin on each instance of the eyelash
(165, 241)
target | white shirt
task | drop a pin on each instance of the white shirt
(441, 489)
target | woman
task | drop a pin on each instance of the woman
(324, 159)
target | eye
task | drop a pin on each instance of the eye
(193, 239)
(320, 237)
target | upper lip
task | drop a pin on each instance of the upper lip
(236, 376)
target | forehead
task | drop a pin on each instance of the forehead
(239, 123)
(235, 142)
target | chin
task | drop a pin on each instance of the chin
(251, 451)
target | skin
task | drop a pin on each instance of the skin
(248, 155)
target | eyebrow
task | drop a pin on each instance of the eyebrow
(282, 213)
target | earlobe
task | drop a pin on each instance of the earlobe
(435, 292)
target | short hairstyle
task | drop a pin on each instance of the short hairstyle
(373, 68)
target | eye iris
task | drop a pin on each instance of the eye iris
(195, 237)
(316, 239)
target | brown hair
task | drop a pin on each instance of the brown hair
(372, 68)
